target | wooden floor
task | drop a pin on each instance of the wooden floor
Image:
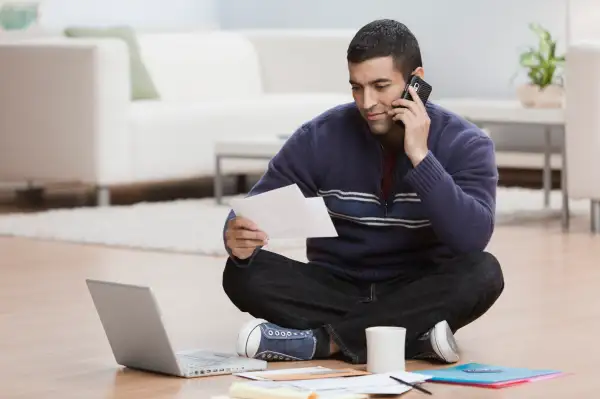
(52, 344)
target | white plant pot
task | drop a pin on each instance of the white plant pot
(532, 96)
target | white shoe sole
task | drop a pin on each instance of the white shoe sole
(441, 334)
(244, 335)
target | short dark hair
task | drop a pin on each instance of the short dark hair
(384, 38)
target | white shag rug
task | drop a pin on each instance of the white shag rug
(196, 225)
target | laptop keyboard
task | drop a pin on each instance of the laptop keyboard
(199, 360)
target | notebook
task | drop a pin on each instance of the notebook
(489, 376)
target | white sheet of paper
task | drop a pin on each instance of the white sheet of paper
(317, 222)
(368, 384)
(270, 210)
(263, 389)
(254, 375)
(285, 213)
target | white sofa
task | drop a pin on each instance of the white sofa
(582, 125)
(66, 113)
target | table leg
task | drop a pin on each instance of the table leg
(218, 181)
(564, 189)
(595, 216)
(547, 173)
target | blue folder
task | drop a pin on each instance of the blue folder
(478, 373)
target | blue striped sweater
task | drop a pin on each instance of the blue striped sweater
(443, 207)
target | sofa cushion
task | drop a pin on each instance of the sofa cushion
(142, 86)
(201, 66)
(177, 139)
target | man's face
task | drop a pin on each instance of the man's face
(375, 84)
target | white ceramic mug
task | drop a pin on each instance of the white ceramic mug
(385, 349)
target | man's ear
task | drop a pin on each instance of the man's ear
(420, 72)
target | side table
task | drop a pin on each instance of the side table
(511, 112)
(242, 148)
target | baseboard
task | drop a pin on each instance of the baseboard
(527, 178)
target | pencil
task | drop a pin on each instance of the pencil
(415, 386)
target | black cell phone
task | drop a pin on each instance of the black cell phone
(422, 88)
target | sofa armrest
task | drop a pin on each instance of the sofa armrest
(64, 111)
(582, 121)
(314, 61)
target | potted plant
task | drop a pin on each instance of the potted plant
(544, 88)
(18, 15)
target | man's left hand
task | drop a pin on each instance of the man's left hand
(416, 121)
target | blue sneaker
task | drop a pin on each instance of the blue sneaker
(262, 340)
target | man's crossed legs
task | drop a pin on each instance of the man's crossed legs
(307, 312)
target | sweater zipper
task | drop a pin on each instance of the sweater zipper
(385, 204)
(382, 171)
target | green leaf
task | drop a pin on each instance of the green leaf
(543, 62)
(535, 76)
(547, 77)
(544, 48)
(540, 32)
(529, 59)
(552, 50)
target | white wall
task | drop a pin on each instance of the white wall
(470, 47)
(478, 37)
(142, 14)
(583, 20)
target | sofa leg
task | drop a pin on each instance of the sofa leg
(595, 216)
(102, 196)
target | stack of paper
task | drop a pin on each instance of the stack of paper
(489, 376)
(374, 384)
(285, 213)
(355, 387)
(302, 373)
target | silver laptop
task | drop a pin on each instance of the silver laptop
(131, 319)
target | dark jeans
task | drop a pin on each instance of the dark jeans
(297, 295)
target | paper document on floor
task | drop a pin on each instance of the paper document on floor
(285, 213)
(276, 390)
(303, 373)
(373, 384)
(376, 384)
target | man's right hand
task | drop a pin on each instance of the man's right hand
(242, 237)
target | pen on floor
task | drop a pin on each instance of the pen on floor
(415, 386)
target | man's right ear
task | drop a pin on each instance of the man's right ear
(420, 72)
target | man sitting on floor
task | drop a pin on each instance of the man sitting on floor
(411, 190)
